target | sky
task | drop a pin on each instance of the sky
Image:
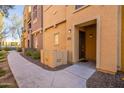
(18, 10)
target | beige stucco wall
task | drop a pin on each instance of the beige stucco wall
(65, 19)
(37, 40)
(106, 33)
(25, 35)
(26, 22)
(25, 18)
(49, 43)
(37, 26)
(53, 14)
(54, 23)
(53, 58)
(37, 22)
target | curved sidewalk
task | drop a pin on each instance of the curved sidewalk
(29, 75)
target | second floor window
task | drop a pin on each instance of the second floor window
(35, 12)
(78, 6)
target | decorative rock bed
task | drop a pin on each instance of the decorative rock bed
(104, 80)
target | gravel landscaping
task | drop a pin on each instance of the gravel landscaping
(104, 80)
(37, 62)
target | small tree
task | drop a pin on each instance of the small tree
(3, 30)
(4, 33)
(16, 27)
(5, 9)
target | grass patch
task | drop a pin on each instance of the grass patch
(3, 53)
(2, 72)
(3, 60)
(2, 57)
(5, 86)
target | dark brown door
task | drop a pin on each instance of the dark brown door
(81, 44)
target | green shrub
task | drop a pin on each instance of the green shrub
(19, 49)
(5, 86)
(28, 52)
(35, 55)
(2, 57)
(2, 60)
(6, 49)
(2, 53)
(2, 72)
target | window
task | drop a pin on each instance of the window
(56, 39)
(78, 6)
(35, 12)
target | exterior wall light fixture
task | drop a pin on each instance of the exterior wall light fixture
(69, 31)
(69, 37)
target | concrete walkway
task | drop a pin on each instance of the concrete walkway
(29, 75)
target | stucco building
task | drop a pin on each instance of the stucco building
(83, 32)
(27, 37)
(86, 32)
(37, 26)
(33, 25)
